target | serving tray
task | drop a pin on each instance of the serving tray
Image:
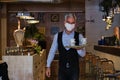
(81, 46)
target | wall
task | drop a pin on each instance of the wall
(3, 29)
(47, 10)
(0, 33)
(94, 30)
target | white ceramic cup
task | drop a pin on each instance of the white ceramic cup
(72, 42)
(83, 41)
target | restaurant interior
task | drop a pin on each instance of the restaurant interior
(27, 29)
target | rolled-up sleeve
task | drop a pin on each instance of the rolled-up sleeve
(52, 51)
(81, 52)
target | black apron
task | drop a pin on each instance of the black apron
(68, 60)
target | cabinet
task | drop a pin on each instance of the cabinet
(26, 67)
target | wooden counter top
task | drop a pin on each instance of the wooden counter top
(114, 50)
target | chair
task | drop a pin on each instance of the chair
(99, 68)
(94, 66)
(88, 61)
(108, 70)
(91, 63)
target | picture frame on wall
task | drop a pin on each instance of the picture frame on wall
(54, 17)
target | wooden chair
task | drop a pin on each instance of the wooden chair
(99, 68)
(108, 70)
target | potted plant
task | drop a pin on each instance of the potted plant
(35, 38)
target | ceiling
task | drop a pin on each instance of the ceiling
(44, 5)
(44, 1)
(41, 0)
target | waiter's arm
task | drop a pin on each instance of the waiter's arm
(81, 51)
(52, 51)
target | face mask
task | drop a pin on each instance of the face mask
(69, 27)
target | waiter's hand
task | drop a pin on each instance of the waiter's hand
(48, 72)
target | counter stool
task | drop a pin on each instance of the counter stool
(88, 63)
(108, 70)
(99, 68)
(95, 61)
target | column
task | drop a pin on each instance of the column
(3, 28)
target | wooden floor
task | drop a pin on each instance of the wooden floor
(79, 79)
(54, 73)
(90, 68)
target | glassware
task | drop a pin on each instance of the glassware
(83, 41)
(72, 42)
(19, 35)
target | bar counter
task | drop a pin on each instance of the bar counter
(114, 50)
(109, 52)
(26, 67)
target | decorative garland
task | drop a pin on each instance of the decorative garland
(109, 9)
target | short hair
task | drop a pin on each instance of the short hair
(71, 15)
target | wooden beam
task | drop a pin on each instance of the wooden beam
(0, 37)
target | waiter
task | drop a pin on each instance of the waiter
(68, 57)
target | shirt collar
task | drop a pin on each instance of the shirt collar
(72, 33)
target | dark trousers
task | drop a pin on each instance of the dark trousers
(4, 71)
(68, 74)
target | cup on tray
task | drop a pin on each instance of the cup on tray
(72, 42)
(83, 41)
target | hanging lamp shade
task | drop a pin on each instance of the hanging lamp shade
(24, 15)
(32, 21)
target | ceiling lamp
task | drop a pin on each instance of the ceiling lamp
(43, 1)
(32, 21)
(24, 15)
(109, 9)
